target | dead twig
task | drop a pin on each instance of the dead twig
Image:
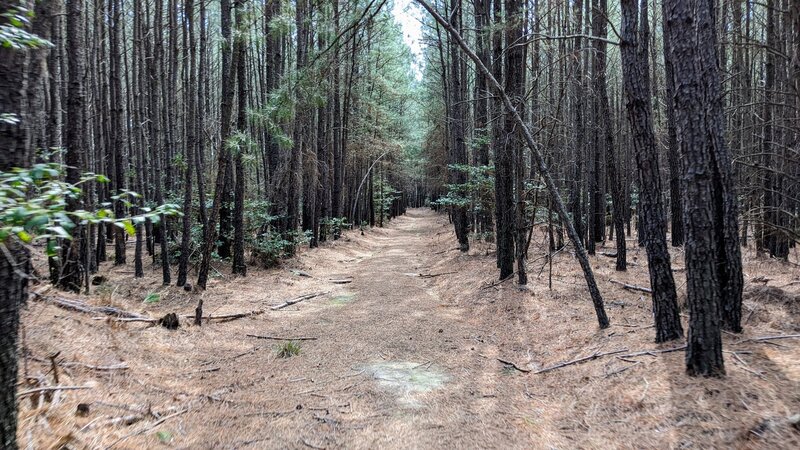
(653, 352)
(146, 429)
(228, 317)
(297, 300)
(580, 360)
(279, 338)
(433, 275)
(50, 389)
(770, 338)
(498, 282)
(632, 287)
(120, 366)
(308, 444)
(616, 372)
(513, 365)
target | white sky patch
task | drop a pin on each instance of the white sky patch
(408, 15)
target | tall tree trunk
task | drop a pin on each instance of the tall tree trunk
(636, 77)
(607, 133)
(72, 267)
(504, 193)
(713, 261)
(514, 70)
(189, 148)
(675, 201)
(239, 266)
(14, 262)
(458, 150)
(223, 156)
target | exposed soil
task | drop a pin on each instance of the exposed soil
(399, 360)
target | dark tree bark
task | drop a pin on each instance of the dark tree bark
(579, 125)
(606, 132)
(189, 148)
(514, 70)
(713, 261)
(72, 267)
(504, 172)
(458, 150)
(14, 260)
(482, 44)
(223, 157)
(675, 202)
(636, 78)
(239, 266)
(118, 126)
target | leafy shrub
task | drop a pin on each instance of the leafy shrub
(333, 226)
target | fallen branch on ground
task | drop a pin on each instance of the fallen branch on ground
(770, 338)
(616, 372)
(432, 275)
(342, 281)
(513, 365)
(146, 429)
(632, 287)
(127, 319)
(580, 360)
(120, 366)
(297, 300)
(74, 305)
(279, 338)
(228, 317)
(498, 282)
(653, 352)
(50, 389)
(610, 255)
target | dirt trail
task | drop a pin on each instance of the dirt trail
(399, 360)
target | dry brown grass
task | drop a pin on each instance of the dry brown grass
(235, 392)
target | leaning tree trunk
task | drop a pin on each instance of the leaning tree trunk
(580, 251)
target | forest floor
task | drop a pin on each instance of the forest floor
(406, 356)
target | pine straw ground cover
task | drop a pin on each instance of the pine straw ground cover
(410, 359)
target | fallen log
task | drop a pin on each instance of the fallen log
(74, 305)
(632, 287)
(297, 300)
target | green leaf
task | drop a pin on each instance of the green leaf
(24, 236)
(127, 226)
(152, 297)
